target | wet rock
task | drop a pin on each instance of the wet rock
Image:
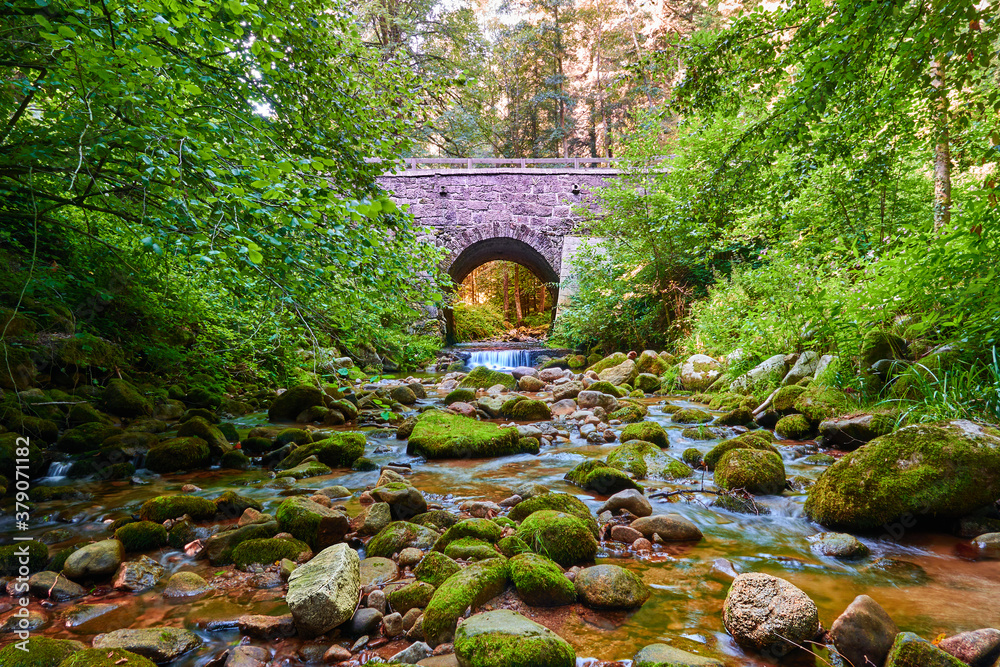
(629, 500)
(365, 621)
(849, 433)
(393, 624)
(336, 654)
(410, 618)
(95, 560)
(753, 470)
(248, 656)
(662, 655)
(412, 654)
(725, 568)
(565, 538)
(314, 524)
(440, 435)
(529, 383)
(988, 545)
(185, 584)
(773, 368)
(503, 637)
(470, 587)
(566, 391)
(623, 373)
(864, 633)
(266, 627)
(978, 648)
(372, 519)
(668, 527)
(14, 622)
(399, 535)
(376, 600)
(219, 547)
(625, 534)
(510, 501)
(409, 557)
(84, 613)
(610, 587)
(435, 568)
(839, 545)
(766, 613)
(414, 595)
(160, 645)
(540, 582)
(588, 400)
(52, 586)
(644, 460)
(288, 405)
(324, 592)
(909, 650)
(596, 475)
(139, 575)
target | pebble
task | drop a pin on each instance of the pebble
(410, 556)
(360, 644)
(510, 501)
(376, 601)
(393, 624)
(410, 618)
(642, 545)
(625, 534)
(336, 654)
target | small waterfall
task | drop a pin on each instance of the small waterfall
(500, 359)
(58, 469)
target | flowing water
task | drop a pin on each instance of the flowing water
(929, 589)
(503, 356)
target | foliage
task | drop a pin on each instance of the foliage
(966, 391)
(477, 322)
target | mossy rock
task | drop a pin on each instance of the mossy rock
(416, 595)
(469, 548)
(540, 582)
(909, 650)
(11, 450)
(439, 435)
(305, 470)
(299, 436)
(129, 444)
(925, 472)
(818, 403)
(649, 362)
(199, 427)
(363, 464)
(512, 545)
(609, 361)
(691, 416)
(161, 508)
(739, 503)
(41, 494)
(481, 377)
(257, 446)
(204, 413)
(469, 588)
(399, 535)
(85, 437)
(605, 387)
(503, 638)
(564, 538)
(528, 410)
(647, 431)
(124, 400)
(437, 519)
(290, 404)
(748, 440)
(700, 433)
(181, 533)
(267, 551)
(645, 460)
(220, 546)
(480, 529)
(504, 522)
(794, 427)
(85, 413)
(178, 454)
(10, 557)
(103, 657)
(234, 460)
(43, 652)
(315, 524)
(340, 450)
(142, 536)
(561, 502)
(203, 397)
(692, 457)
(434, 568)
(784, 400)
(878, 344)
(735, 417)
(596, 475)
(629, 412)
(460, 396)
(231, 504)
(753, 470)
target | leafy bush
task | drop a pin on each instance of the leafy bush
(477, 322)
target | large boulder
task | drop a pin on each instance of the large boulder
(772, 369)
(161, 645)
(849, 433)
(124, 400)
(596, 475)
(469, 587)
(769, 614)
(623, 373)
(646, 430)
(644, 460)
(400, 535)
(439, 435)
(540, 582)
(699, 371)
(503, 638)
(652, 363)
(481, 377)
(97, 559)
(610, 587)
(629, 500)
(560, 502)
(608, 361)
(338, 450)
(662, 655)
(316, 525)
(864, 633)
(563, 537)
(753, 470)
(40, 652)
(289, 404)
(943, 470)
(324, 592)
(179, 454)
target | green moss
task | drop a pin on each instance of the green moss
(735, 417)
(340, 450)
(9, 454)
(483, 378)
(205, 414)
(232, 504)
(181, 533)
(647, 431)
(540, 582)
(297, 435)
(267, 551)
(42, 652)
(142, 536)
(818, 403)
(460, 396)
(123, 399)
(10, 557)
(437, 519)
(256, 446)
(753, 470)
(692, 457)
(605, 387)
(470, 587)
(645, 460)
(397, 536)
(41, 494)
(305, 470)
(102, 657)
(199, 427)
(416, 595)
(480, 529)
(528, 410)
(609, 362)
(85, 413)
(234, 460)
(161, 508)
(178, 454)
(699, 433)
(434, 568)
(562, 537)
(504, 522)
(561, 502)
(784, 400)
(909, 650)
(596, 475)
(739, 503)
(691, 416)
(745, 441)
(469, 548)
(512, 545)
(629, 411)
(441, 435)
(85, 438)
(793, 427)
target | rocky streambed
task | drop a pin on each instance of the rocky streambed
(536, 517)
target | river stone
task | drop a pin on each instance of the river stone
(662, 655)
(289, 404)
(864, 633)
(909, 650)
(699, 371)
(503, 638)
(943, 470)
(567, 391)
(51, 586)
(400, 535)
(372, 519)
(365, 622)
(756, 471)
(838, 545)
(540, 582)
(84, 613)
(988, 545)
(95, 560)
(588, 400)
(629, 500)
(849, 433)
(266, 627)
(978, 648)
(324, 592)
(219, 547)
(248, 656)
(623, 373)
(138, 575)
(185, 584)
(668, 527)
(610, 587)
(316, 525)
(413, 654)
(158, 644)
(404, 500)
(761, 612)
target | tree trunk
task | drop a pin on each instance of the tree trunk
(517, 293)
(506, 294)
(474, 300)
(541, 298)
(942, 148)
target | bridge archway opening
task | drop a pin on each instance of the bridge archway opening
(493, 272)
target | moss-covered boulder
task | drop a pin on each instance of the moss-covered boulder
(102, 657)
(608, 362)
(943, 470)
(793, 427)
(878, 344)
(85, 437)
(416, 595)
(644, 460)
(503, 638)
(629, 411)
(434, 568)
(596, 475)
(161, 508)
(142, 536)
(483, 378)
(663, 655)
(605, 387)
(85, 413)
(178, 454)
(219, 547)
(436, 519)
(234, 459)
(480, 529)
(784, 399)
(691, 416)
(40, 652)
(288, 405)
(750, 440)
(232, 505)
(753, 470)
(305, 470)
(267, 551)
(560, 502)
(818, 403)
(909, 650)
(652, 363)
(405, 501)
(199, 427)
(562, 537)
(11, 555)
(610, 587)
(512, 545)
(124, 400)
(468, 588)
(648, 431)
(462, 395)
(315, 524)
(399, 535)
(439, 435)
(528, 410)
(298, 436)
(735, 417)
(471, 549)
(340, 450)
(540, 582)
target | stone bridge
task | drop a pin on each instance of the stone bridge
(523, 211)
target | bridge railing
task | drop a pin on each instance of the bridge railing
(522, 163)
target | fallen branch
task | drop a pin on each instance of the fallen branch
(767, 402)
